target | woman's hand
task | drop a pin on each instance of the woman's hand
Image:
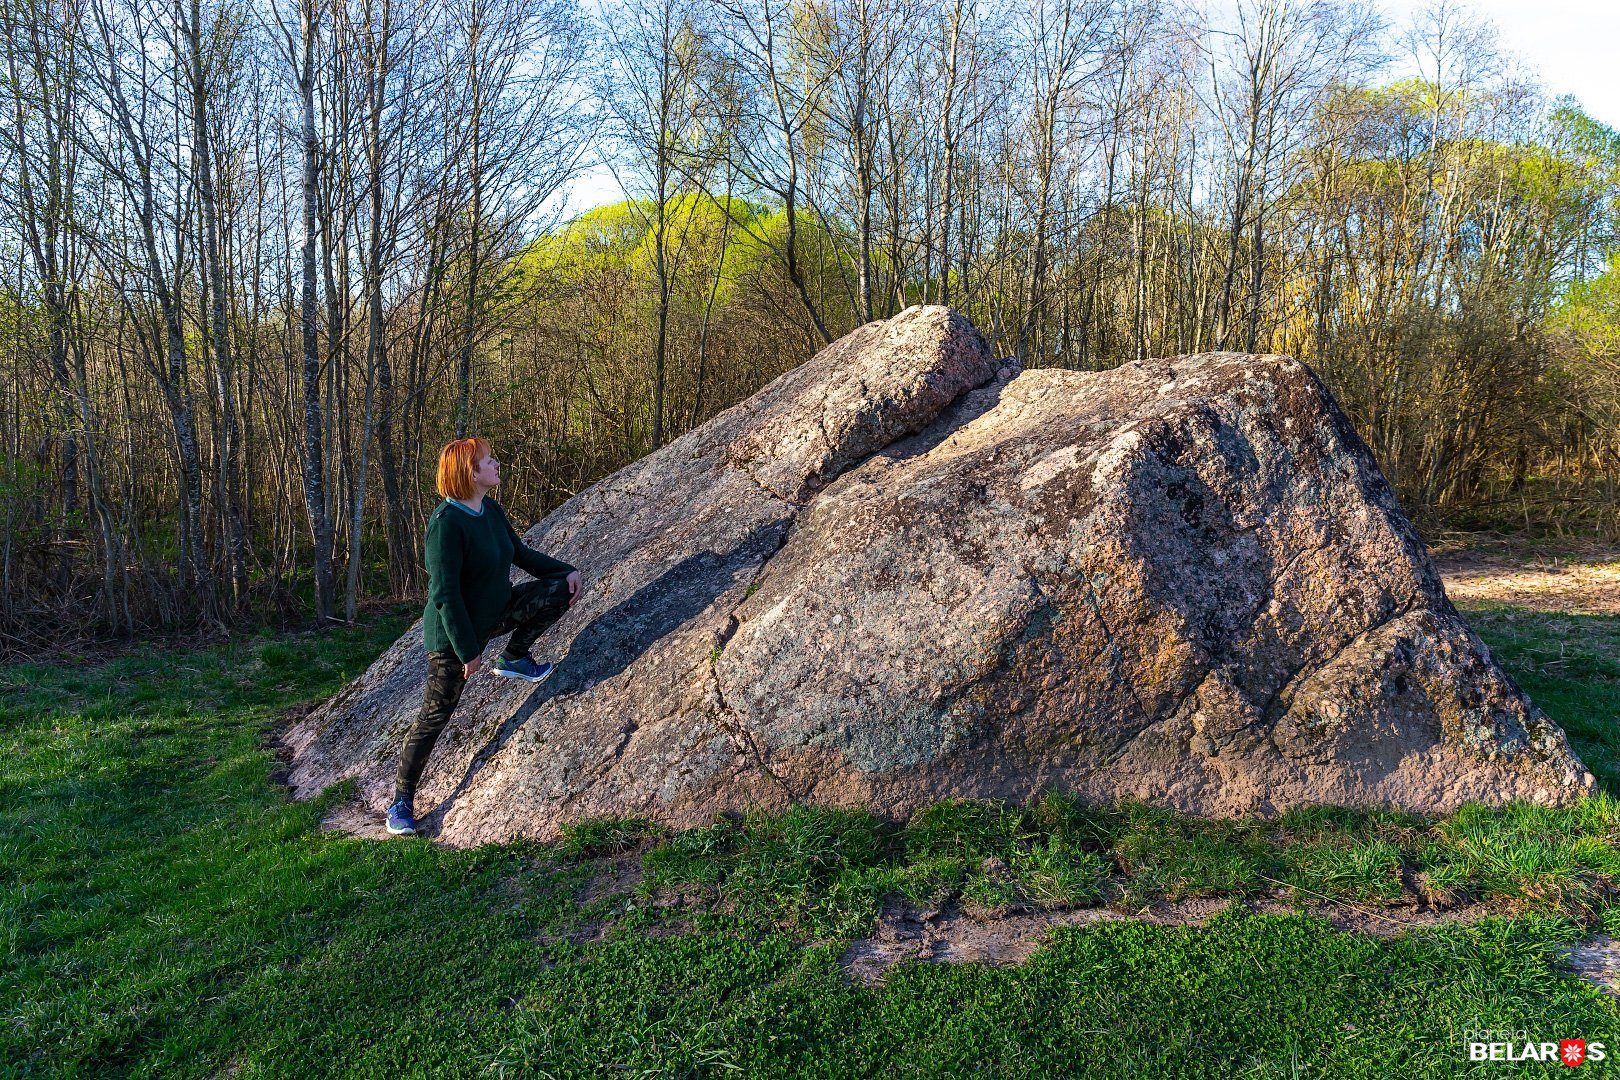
(573, 587)
(469, 669)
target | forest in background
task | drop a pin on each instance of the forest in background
(261, 258)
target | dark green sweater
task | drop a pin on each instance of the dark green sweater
(469, 558)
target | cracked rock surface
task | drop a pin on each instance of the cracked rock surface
(898, 574)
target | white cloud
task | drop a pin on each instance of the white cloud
(1569, 43)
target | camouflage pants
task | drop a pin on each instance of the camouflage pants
(534, 606)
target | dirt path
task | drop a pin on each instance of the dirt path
(932, 938)
(906, 933)
(1581, 582)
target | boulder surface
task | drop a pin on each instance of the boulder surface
(900, 574)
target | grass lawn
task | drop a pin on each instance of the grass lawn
(168, 911)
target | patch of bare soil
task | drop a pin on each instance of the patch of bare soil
(1585, 581)
(1597, 960)
(904, 933)
(614, 877)
(357, 820)
(588, 931)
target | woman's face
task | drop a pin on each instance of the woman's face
(487, 472)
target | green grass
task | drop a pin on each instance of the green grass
(1570, 666)
(167, 911)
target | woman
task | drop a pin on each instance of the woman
(471, 547)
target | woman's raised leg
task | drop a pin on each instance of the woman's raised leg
(534, 606)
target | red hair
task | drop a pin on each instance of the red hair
(456, 463)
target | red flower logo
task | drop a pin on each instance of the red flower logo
(1572, 1052)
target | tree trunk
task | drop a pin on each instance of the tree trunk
(315, 495)
(217, 325)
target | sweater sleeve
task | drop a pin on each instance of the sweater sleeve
(525, 557)
(444, 557)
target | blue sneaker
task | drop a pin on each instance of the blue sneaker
(522, 668)
(401, 821)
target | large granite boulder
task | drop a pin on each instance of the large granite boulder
(899, 574)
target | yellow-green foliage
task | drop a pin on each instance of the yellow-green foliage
(1590, 314)
(618, 243)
